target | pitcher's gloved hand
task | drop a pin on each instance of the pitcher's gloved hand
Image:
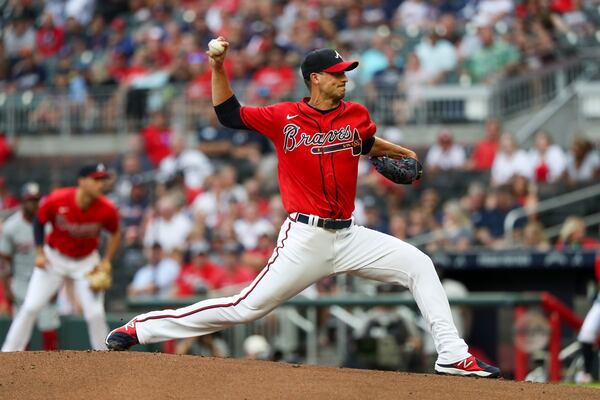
(100, 278)
(403, 170)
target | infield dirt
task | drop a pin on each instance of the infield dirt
(133, 375)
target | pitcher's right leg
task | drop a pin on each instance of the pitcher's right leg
(302, 257)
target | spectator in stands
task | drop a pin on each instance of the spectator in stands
(413, 85)
(573, 236)
(445, 155)
(525, 193)
(456, 232)
(534, 237)
(49, 37)
(276, 77)
(258, 257)
(355, 31)
(169, 228)
(19, 37)
(157, 138)
(494, 10)
(27, 73)
(436, 55)
(195, 165)
(547, 160)
(399, 226)
(200, 275)
(6, 150)
(413, 15)
(238, 274)
(251, 226)
(132, 211)
(583, 162)
(222, 192)
(474, 203)
(509, 160)
(214, 140)
(490, 230)
(7, 199)
(374, 58)
(155, 278)
(494, 60)
(485, 150)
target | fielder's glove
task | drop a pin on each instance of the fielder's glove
(100, 278)
(403, 171)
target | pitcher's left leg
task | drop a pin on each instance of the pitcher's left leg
(374, 255)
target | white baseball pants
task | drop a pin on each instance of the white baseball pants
(44, 284)
(591, 324)
(305, 254)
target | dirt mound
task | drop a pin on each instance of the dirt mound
(103, 375)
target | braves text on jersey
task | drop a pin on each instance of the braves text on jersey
(76, 232)
(318, 153)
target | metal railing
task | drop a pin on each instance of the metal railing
(118, 109)
(546, 205)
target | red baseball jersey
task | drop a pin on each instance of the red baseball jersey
(318, 153)
(76, 232)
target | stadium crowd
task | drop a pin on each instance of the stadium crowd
(204, 217)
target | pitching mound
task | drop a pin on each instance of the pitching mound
(103, 375)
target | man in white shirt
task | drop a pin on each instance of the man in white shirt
(445, 155)
(509, 161)
(170, 228)
(194, 164)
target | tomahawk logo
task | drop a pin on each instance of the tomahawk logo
(337, 55)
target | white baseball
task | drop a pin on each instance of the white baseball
(215, 47)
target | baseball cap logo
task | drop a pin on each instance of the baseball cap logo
(337, 55)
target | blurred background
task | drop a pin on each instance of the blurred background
(500, 99)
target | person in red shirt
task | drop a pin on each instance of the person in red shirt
(49, 38)
(200, 274)
(485, 150)
(157, 138)
(237, 273)
(77, 215)
(318, 142)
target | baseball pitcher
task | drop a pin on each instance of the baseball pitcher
(318, 141)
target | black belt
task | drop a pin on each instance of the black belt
(326, 223)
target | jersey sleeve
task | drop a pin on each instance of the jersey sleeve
(111, 222)
(260, 119)
(45, 212)
(371, 127)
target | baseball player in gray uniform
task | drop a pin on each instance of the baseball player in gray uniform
(17, 256)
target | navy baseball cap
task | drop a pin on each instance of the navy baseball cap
(96, 171)
(30, 191)
(325, 60)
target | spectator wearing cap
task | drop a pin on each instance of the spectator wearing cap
(157, 277)
(445, 155)
(201, 274)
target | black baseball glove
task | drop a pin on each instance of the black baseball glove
(403, 171)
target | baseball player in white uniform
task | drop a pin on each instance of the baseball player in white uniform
(17, 253)
(318, 141)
